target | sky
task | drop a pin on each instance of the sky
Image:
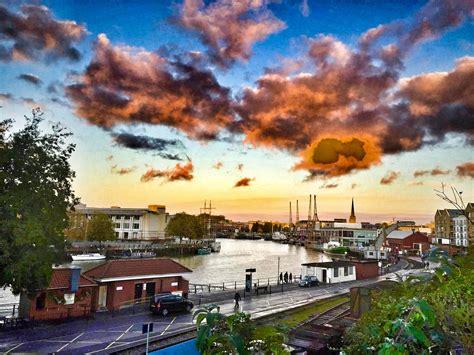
(252, 103)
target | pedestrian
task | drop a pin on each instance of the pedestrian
(237, 298)
(291, 277)
(281, 277)
(286, 277)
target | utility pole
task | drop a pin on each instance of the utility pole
(291, 219)
(297, 212)
(278, 272)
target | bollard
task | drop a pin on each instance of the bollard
(209, 288)
(268, 283)
(195, 290)
(223, 287)
(13, 313)
(200, 299)
(258, 282)
(235, 285)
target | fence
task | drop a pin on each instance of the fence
(8, 309)
(235, 285)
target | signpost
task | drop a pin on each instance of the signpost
(147, 328)
(248, 279)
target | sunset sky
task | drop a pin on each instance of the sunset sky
(252, 103)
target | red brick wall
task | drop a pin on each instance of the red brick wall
(366, 270)
(53, 310)
(407, 243)
(117, 298)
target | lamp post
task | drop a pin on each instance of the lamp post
(278, 272)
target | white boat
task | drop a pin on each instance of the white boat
(278, 236)
(215, 247)
(88, 257)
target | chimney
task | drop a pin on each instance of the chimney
(309, 210)
(75, 278)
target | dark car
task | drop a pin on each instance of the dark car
(309, 281)
(170, 303)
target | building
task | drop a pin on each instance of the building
(405, 241)
(331, 271)
(122, 282)
(352, 218)
(69, 294)
(129, 223)
(454, 227)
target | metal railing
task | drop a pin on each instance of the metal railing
(9, 309)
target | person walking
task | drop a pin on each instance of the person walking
(291, 277)
(286, 277)
(281, 277)
(237, 298)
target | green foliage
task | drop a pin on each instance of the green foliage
(35, 193)
(100, 228)
(185, 225)
(339, 250)
(421, 313)
(76, 226)
(233, 334)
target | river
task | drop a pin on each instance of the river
(230, 263)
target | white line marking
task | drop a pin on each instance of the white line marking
(119, 337)
(169, 325)
(16, 346)
(69, 343)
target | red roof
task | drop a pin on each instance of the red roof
(136, 267)
(62, 279)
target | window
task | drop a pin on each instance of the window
(117, 235)
(336, 272)
(126, 226)
(136, 225)
(41, 301)
(117, 225)
(125, 235)
(127, 218)
(136, 218)
(351, 270)
(346, 270)
(135, 235)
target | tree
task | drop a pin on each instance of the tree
(77, 226)
(35, 193)
(267, 227)
(256, 228)
(100, 228)
(185, 225)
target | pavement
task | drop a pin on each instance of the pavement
(106, 331)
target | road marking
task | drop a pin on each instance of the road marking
(70, 342)
(119, 337)
(16, 346)
(169, 325)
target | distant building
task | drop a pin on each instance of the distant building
(453, 228)
(352, 218)
(404, 241)
(130, 223)
(331, 271)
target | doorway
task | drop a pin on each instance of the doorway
(324, 275)
(150, 289)
(138, 291)
(102, 297)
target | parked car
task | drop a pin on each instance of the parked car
(309, 281)
(170, 303)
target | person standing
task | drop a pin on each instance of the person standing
(281, 277)
(237, 298)
(286, 277)
(291, 277)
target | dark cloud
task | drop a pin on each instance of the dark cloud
(353, 186)
(240, 167)
(434, 172)
(229, 28)
(33, 34)
(30, 78)
(218, 165)
(329, 186)
(179, 172)
(465, 170)
(6, 96)
(390, 177)
(159, 146)
(243, 182)
(124, 85)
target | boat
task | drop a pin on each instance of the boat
(215, 247)
(278, 237)
(139, 254)
(88, 257)
(204, 251)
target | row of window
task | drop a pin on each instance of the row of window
(127, 226)
(127, 218)
(126, 235)
(348, 270)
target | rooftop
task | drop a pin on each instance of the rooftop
(336, 263)
(136, 268)
(61, 278)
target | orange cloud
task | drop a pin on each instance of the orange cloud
(229, 28)
(218, 165)
(122, 171)
(179, 172)
(434, 172)
(465, 170)
(243, 182)
(389, 178)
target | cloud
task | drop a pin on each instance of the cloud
(229, 28)
(146, 143)
(390, 177)
(329, 186)
(6, 96)
(109, 157)
(31, 78)
(124, 85)
(244, 182)
(33, 34)
(179, 172)
(218, 165)
(122, 171)
(240, 166)
(434, 172)
(353, 186)
(465, 170)
(356, 93)
(304, 8)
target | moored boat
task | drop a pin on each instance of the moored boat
(88, 257)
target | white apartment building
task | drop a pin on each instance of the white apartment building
(133, 223)
(460, 231)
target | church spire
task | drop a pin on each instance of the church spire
(352, 218)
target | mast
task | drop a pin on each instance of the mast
(291, 218)
(315, 217)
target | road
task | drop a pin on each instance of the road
(105, 332)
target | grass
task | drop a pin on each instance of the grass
(289, 320)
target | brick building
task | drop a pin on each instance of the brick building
(403, 241)
(366, 269)
(120, 282)
(69, 294)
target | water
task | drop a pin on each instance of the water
(230, 263)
